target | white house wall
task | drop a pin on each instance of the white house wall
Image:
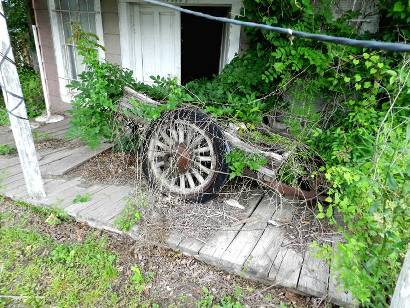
(111, 29)
(113, 41)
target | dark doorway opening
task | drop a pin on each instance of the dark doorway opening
(201, 43)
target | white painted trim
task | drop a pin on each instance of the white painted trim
(99, 27)
(229, 47)
(65, 94)
(125, 35)
(234, 35)
(40, 60)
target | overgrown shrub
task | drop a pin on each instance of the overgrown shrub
(98, 90)
(362, 132)
(32, 92)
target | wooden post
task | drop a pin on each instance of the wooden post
(48, 117)
(401, 296)
(13, 97)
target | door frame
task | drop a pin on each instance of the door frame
(231, 37)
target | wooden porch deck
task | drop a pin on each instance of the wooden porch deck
(253, 249)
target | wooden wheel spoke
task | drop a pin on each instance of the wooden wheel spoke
(162, 145)
(202, 167)
(202, 150)
(203, 158)
(166, 138)
(174, 133)
(198, 175)
(181, 137)
(182, 181)
(190, 180)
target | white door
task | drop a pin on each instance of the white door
(157, 42)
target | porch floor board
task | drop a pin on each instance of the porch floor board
(254, 247)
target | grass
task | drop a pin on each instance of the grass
(87, 269)
(37, 270)
(76, 273)
(40, 266)
(7, 149)
(4, 117)
(131, 214)
(82, 198)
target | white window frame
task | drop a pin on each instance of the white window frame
(63, 80)
(231, 35)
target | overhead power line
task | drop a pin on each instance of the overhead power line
(397, 47)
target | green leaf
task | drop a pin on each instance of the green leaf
(329, 212)
(391, 182)
(320, 215)
(398, 7)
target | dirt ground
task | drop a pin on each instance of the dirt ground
(178, 280)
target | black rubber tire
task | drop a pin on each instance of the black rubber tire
(212, 130)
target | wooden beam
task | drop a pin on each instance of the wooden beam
(401, 296)
(13, 97)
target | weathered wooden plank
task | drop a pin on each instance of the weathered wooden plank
(241, 247)
(263, 255)
(52, 187)
(8, 180)
(97, 210)
(46, 159)
(174, 239)
(288, 273)
(6, 186)
(112, 206)
(91, 191)
(190, 246)
(14, 161)
(16, 189)
(314, 276)
(65, 190)
(401, 296)
(8, 162)
(77, 157)
(336, 294)
(53, 127)
(48, 131)
(7, 140)
(60, 134)
(76, 209)
(212, 251)
(18, 193)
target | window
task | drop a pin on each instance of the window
(64, 13)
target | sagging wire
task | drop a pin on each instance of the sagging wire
(371, 44)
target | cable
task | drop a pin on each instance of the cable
(397, 47)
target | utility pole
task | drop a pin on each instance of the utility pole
(16, 108)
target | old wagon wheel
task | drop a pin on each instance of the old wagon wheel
(184, 155)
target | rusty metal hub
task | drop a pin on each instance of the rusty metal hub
(183, 158)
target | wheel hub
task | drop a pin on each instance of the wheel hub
(183, 158)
